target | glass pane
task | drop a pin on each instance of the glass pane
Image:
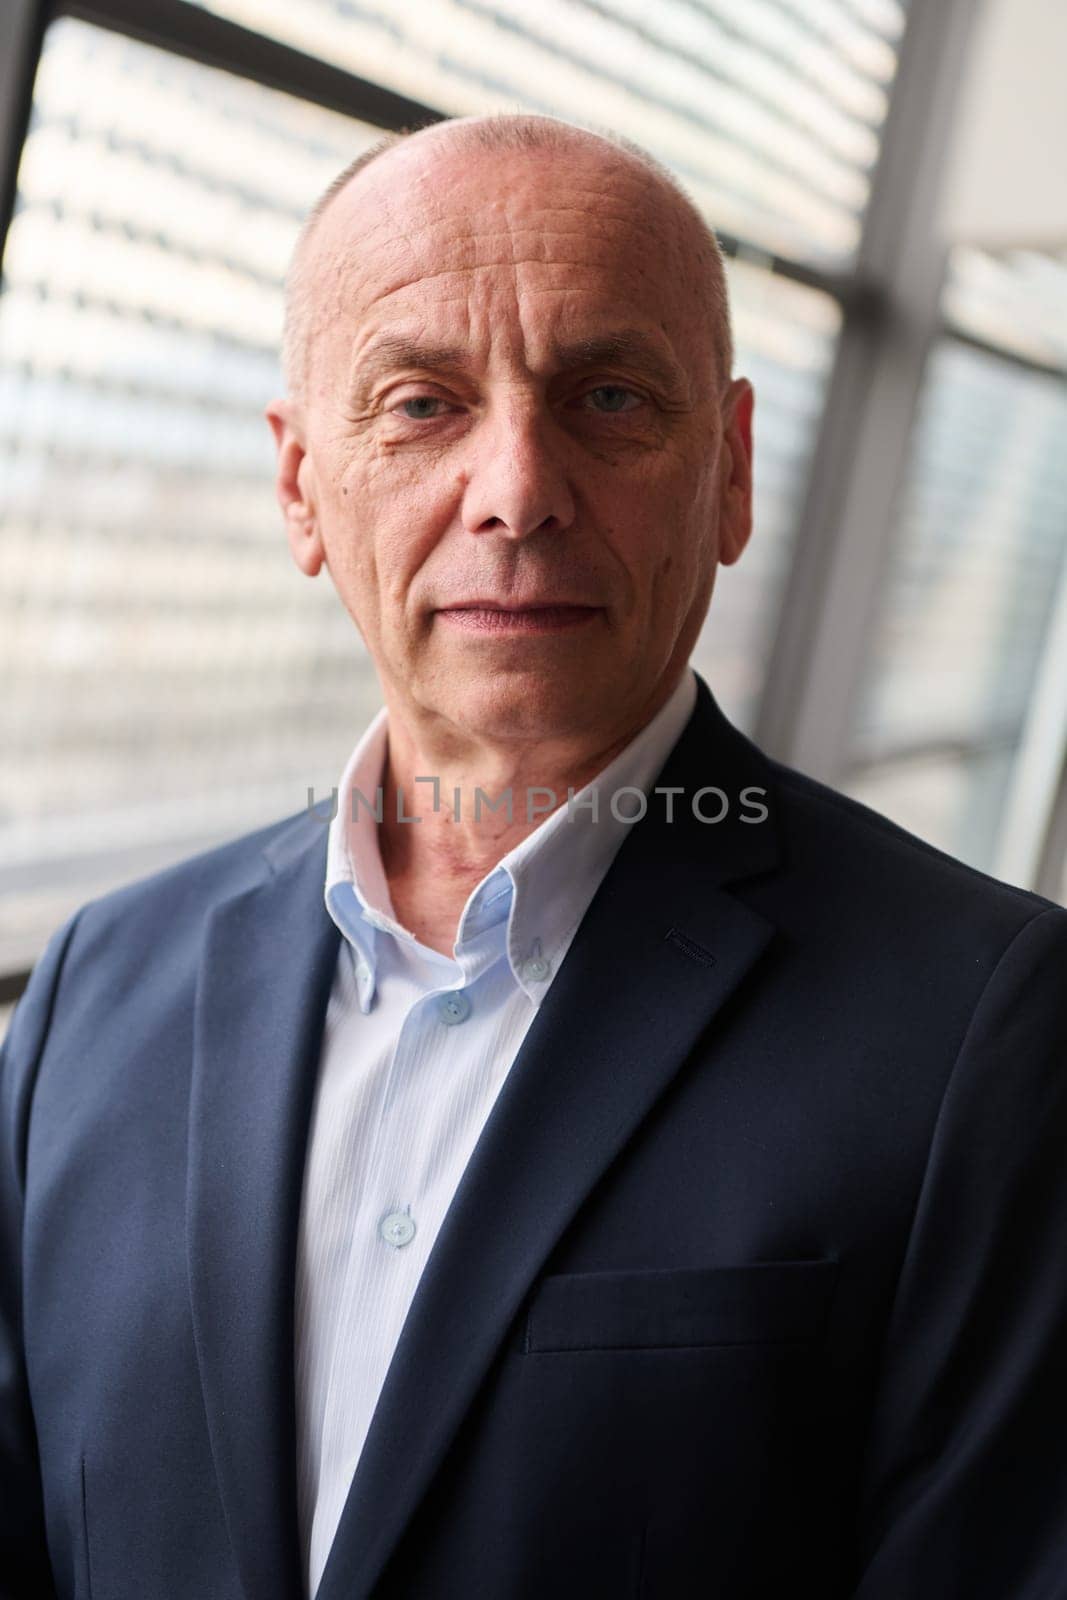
(785, 336)
(1015, 299)
(982, 539)
(170, 677)
(952, 798)
(770, 110)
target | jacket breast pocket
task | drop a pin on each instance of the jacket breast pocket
(767, 1302)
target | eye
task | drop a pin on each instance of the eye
(421, 407)
(611, 398)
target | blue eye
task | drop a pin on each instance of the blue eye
(612, 398)
(420, 408)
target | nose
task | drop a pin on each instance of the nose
(516, 482)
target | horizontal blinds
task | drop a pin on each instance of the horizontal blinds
(170, 676)
(976, 564)
(770, 110)
(1015, 299)
(980, 546)
(785, 337)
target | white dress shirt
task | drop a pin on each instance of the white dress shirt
(416, 1047)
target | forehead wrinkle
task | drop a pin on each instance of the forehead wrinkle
(630, 345)
(646, 348)
(411, 281)
(453, 240)
(439, 249)
(413, 201)
(423, 221)
(462, 219)
(486, 250)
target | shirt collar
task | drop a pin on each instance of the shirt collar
(536, 895)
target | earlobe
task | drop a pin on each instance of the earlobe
(304, 541)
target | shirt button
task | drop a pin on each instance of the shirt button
(453, 1008)
(397, 1228)
(363, 972)
(535, 969)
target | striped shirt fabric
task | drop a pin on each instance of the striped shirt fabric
(416, 1047)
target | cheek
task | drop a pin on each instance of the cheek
(678, 567)
(387, 521)
(661, 544)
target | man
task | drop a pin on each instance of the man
(486, 1194)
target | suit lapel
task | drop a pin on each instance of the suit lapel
(267, 965)
(660, 951)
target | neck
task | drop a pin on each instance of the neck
(478, 799)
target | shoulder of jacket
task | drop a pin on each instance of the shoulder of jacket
(859, 833)
(197, 881)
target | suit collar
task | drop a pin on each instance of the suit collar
(661, 923)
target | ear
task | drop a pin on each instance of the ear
(735, 483)
(293, 484)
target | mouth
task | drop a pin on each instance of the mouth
(489, 616)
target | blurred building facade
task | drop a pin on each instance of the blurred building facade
(898, 623)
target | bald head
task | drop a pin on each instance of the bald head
(446, 145)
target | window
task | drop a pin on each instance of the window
(171, 678)
(978, 558)
(770, 110)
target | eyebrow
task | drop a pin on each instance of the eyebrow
(629, 347)
(395, 350)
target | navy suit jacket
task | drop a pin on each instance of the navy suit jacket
(755, 1284)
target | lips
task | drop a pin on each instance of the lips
(537, 604)
(516, 617)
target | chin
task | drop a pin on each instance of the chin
(521, 705)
